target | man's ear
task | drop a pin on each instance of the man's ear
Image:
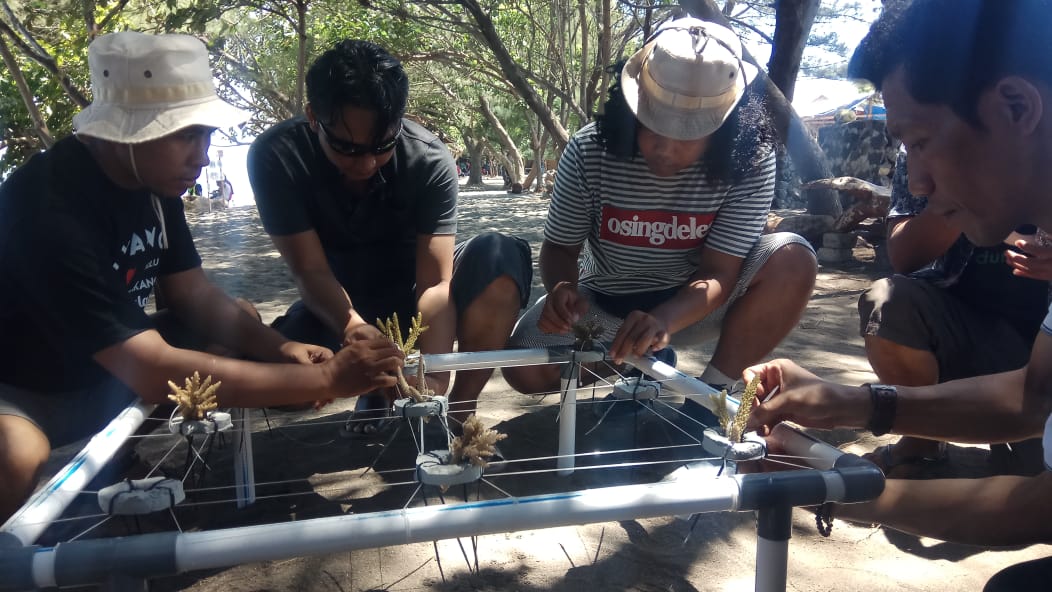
(1017, 102)
(310, 118)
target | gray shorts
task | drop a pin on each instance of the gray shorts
(917, 314)
(67, 417)
(526, 333)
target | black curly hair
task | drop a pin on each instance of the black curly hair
(737, 148)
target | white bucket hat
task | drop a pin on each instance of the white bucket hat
(687, 78)
(147, 86)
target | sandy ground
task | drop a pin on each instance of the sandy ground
(630, 555)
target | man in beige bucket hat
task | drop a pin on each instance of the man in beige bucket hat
(667, 194)
(91, 228)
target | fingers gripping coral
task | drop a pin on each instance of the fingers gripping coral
(477, 444)
(391, 329)
(197, 398)
(586, 334)
(734, 428)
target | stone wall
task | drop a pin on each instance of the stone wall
(861, 149)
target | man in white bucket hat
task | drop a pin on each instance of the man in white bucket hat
(91, 227)
(669, 191)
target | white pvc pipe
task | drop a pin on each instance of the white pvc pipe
(501, 358)
(244, 464)
(208, 550)
(772, 564)
(678, 382)
(50, 501)
(819, 455)
(568, 421)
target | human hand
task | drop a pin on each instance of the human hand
(304, 353)
(562, 308)
(640, 334)
(788, 392)
(1034, 262)
(364, 365)
(360, 331)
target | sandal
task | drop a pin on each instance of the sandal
(912, 466)
(370, 419)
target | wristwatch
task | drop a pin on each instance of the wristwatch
(883, 399)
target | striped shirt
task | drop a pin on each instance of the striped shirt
(642, 232)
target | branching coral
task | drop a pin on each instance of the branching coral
(197, 398)
(393, 331)
(477, 445)
(734, 428)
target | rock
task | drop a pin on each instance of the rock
(808, 226)
(839, 240)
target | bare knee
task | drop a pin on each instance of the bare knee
(792, 265)
(248, 307)
(24, 451)
(502, 294)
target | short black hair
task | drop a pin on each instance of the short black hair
(737, 147)
(953, 50)
(362, 74)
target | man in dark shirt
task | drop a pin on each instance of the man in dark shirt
(952, 310)
(361, 204)
(95, 224)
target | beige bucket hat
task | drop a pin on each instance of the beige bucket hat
(687, 78)
(147, 86)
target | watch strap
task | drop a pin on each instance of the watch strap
(883, 402)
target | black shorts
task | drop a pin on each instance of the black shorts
(477, 262)
(965, 341)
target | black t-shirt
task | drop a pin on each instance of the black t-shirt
(369, 240)
(988, 284)
(78, 261)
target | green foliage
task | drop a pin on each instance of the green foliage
(256, 47)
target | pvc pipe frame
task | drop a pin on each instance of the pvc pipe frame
(48, 503)
(92, 561)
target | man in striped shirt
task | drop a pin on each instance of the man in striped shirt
(655, 226)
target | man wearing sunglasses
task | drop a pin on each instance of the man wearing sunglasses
(361, 203)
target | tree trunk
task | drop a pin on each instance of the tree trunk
(793, 22)
(516, 169)
(32, 50)
(301, 53)
(605, 39)
(474, 149)
(514, 74)
(807, 156)
(539, 166)
(27, 95)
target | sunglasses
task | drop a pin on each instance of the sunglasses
(347, 148)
